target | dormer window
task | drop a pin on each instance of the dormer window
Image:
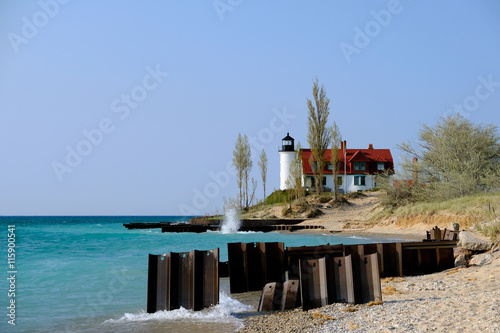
(359, 166)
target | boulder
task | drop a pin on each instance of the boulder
(455, 226)
(459, 250)
(460, 261)
(481, 259)
(473, 242)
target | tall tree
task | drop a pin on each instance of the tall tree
(263, 170)
(318, 135)
(456, 157)
(294, 180)
(242, 162)
(336, 140)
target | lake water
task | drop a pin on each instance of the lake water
(89, 274)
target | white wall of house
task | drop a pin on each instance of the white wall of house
(348, 183)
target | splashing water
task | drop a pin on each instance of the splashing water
(231, 222)
(222, 312)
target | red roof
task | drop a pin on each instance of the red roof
(369, 156)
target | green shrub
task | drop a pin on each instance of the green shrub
(278, 197)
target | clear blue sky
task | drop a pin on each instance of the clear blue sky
(163, 88)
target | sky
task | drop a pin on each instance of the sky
(133, 108)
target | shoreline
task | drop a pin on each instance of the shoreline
(455, 300)
(361, 233)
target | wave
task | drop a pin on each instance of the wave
(357, 237)
(238, 232)
(221, 312)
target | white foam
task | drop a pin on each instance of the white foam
(221, 312)
(231, 222)
(357, 237)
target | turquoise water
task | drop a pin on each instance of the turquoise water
(89, 274)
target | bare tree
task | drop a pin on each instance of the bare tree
(242, 162)
(254, 187)
(263, 170)
(248, 168)
(336, 140)
(318, 135)
(238, 162)
(294, 180)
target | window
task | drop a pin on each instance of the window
(380, 166)
(324, 181)
(314, 166)
(359, 180)
(359, 166)
(339, 180)
(329, 166)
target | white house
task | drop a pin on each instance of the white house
(358, 167)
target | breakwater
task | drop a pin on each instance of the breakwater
(205, 224)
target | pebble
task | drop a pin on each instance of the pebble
(440, 302)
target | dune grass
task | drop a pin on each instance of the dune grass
(484, 206)
(481, 211)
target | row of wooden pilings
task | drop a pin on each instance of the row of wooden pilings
(310, 276)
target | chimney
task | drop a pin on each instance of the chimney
(344, 148)
(370, 146)
(415, 170)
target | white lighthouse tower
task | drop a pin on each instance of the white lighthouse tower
(287, 155)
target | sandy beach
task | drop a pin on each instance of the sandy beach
(465, 299)
(456, 300)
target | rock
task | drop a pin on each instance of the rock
(460, 261)
(481, 259)
(470, 241)
(459, 250)
(455, 226)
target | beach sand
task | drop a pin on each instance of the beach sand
(456, 300)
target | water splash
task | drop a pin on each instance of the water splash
(231, 223)
(222, 312)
